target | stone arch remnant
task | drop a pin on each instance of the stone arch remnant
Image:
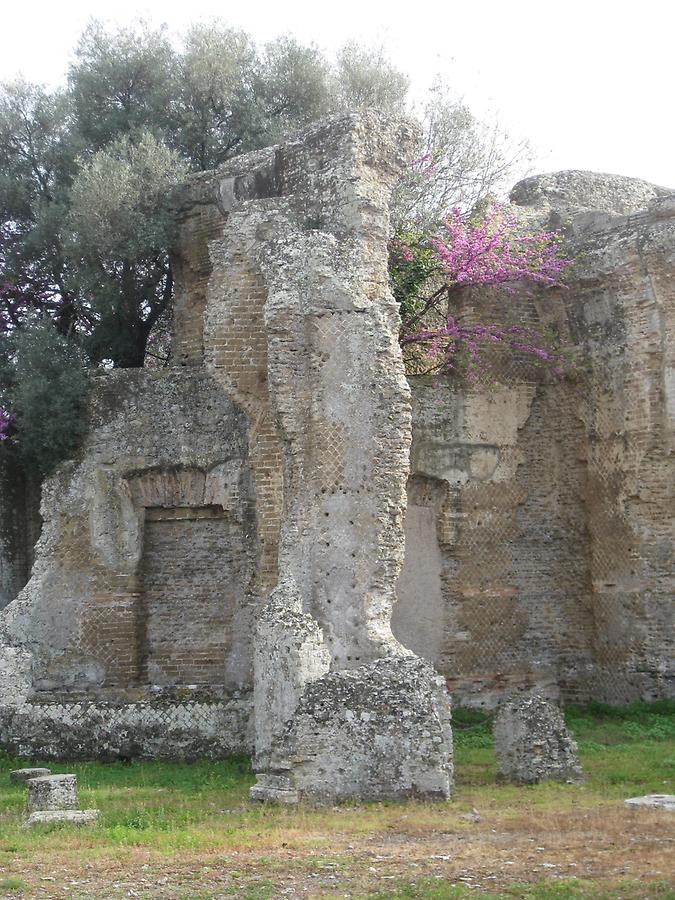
(341, 708)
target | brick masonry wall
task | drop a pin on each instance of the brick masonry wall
(622, 314)
(553, 559)
(220, 296)
(192, 267)
(497, 540)
(499, 471)
(192, 583)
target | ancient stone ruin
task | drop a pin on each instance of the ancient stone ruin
(341, 708)
(279, 544)
(52, 799)
(532, 743)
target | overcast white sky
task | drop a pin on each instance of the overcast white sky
(591, 84)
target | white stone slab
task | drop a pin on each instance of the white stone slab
(652, 801)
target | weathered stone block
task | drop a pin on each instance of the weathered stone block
(20, 775)
(378, 732)
(52, 792)
(532, 743)
(271, 788)
(62, 816)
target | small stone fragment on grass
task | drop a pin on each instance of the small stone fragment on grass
(20, 775)
(652, 801)
(62, 816)
(473, 815)
(52, 792)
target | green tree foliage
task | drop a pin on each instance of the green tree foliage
(38, 150)
(411, 265)
(86, 171)
(121, 83)
(214, 106)
(120, 225)
(231, 96)
(367, 79)
(45, 384)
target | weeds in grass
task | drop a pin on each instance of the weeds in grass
(13, 885)
(565, 889)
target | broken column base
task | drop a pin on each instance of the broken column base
(652, 801)
(377, 732)
(532, 743)
(62, 816)
(53, 799)
(52, 792)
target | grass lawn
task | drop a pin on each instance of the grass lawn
(187, 831)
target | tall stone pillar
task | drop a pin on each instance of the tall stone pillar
(299, 327)
(363, 717)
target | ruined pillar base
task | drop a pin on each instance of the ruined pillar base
(532, 743)
(274, 788)
(52, 792)
(377, 732)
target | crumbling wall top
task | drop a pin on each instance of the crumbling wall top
(576, 190)
(306, 166)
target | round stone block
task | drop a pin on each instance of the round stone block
(52, 792)
(18, 775)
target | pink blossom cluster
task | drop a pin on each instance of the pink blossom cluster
(495, 251)
(444, 346)
(397, 246)
(6, 421)
(424, 166)
(492, 251)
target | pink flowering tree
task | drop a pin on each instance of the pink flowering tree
(6, 422)
(429, 271)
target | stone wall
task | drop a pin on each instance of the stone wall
(622, 316)
(539, 522)
(142, 592)
(541, 531)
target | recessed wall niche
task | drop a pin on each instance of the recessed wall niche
(192, 584)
